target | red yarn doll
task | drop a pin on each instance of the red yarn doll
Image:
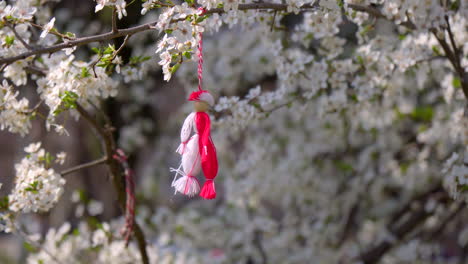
(198, 151)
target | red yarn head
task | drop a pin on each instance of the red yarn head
(202, 95)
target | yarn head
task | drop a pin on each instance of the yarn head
(202, 96)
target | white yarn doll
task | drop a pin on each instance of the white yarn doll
(198, 151)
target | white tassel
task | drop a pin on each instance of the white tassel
(191, 166)
(187, 185)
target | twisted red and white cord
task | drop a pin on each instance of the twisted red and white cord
(200, 54)
(130, 194)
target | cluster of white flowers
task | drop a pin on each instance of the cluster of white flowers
(101, 246)
(16, 73)
(14, 113)
(181, 38)
(319, 23)
(37, 186)
(429, 13)
(20, 10)
(23, 10)
(456, 175)
(117, 4)
(67, 75)
(248, 109)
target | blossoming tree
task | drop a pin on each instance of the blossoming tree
(341, 128)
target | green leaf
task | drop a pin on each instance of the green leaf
(200, 19)
(33, 187)
(96, 50)
(455, 5)
(103, 64)
(110, 49)
(139, 59)
(68, 102)
(9, 40)
(29, 247)
(76, 232)
(340, 3)
(70, 35)
(404, 167)
(48, 159)
(169, 31)
(360, 59)
(423, 114)
(175, 68)
(187, 55)
(190, 2)
(456, 82)
(85, 72)
(179, 229)
(4, 203)
(436, 50)
(343, 166)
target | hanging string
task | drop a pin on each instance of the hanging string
(200, 54)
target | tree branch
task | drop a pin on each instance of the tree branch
(114, 167)
(399, 230)
(376, 13)
(454, 60)
(84, 166)
(443, 224)
(132, 30)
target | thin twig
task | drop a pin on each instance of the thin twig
(273, 21)
(32, 110)
(84, 166)
(53, 32)
(25, 44)
(114, 20)
(35, 70)
(93, 65)
(120, 48)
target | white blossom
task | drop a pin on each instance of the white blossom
(14, 113)
(46, 29)
(37, 187)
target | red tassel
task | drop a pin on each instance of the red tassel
(208, 191)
